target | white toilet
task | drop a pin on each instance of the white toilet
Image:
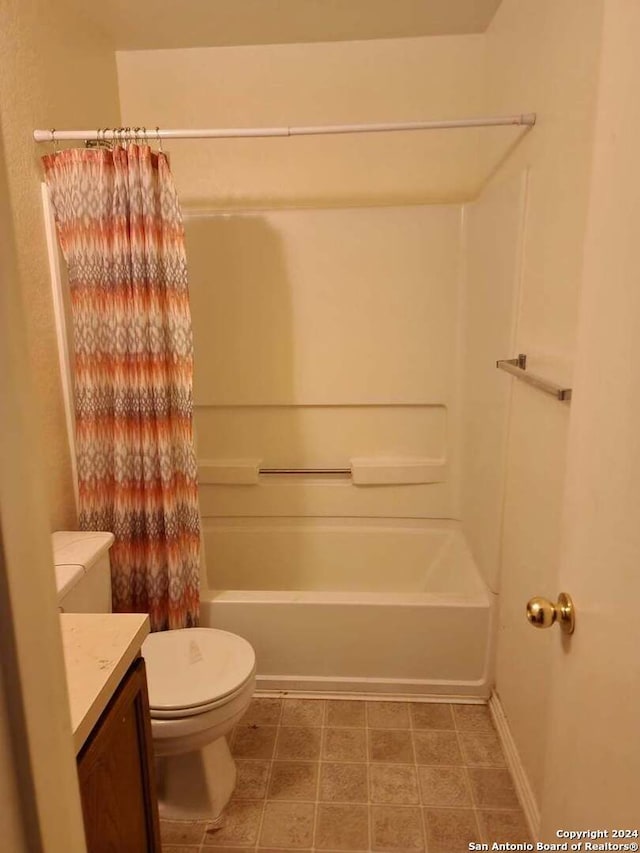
(200, 682)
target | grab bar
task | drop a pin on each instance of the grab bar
(304, 471)
(379, 471)
(363, 471)
(518, 367)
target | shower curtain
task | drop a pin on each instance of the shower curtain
(120, 228)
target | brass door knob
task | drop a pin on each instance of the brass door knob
(542, 613)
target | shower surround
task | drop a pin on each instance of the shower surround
(355, 339)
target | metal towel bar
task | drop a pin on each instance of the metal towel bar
(518, 367)
(307, 471)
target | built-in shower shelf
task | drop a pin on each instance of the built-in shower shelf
(374, 471)
(220, 472)
(402, 470)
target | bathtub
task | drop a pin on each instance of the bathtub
(355, 607)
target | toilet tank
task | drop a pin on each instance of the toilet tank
(83, 574)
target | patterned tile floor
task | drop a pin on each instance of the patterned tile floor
(344, 775)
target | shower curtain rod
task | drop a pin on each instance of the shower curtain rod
(53, 135)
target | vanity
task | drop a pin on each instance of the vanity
(112, 730)
(108, 701)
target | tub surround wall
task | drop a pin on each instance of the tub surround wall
(493, 237)
(333, 337)
(348, 555)
(55, 70)
(325, 307)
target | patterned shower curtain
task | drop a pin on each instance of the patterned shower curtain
(120, 229)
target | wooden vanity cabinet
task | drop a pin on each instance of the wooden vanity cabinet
(116, 773)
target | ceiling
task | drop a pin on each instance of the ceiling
(152, 24)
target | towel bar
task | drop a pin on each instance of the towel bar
(518, 367)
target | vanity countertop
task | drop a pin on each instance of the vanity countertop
(99, 648)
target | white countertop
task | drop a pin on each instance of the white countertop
(99, 648)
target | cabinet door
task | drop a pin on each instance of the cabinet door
(115, 768)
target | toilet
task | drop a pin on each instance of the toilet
(200, 683)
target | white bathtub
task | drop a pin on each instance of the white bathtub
(353, 607)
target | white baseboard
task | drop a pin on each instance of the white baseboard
(361, 695)
(436, 691)
(521, 780)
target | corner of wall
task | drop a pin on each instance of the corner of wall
(65, 71)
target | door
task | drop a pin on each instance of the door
(592, 771)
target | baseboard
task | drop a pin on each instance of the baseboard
(434, 691)
(518, 773)
(270, 693)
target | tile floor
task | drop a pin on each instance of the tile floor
(344, 775)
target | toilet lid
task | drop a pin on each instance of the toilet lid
(191, 667)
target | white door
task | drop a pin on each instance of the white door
(592, 776)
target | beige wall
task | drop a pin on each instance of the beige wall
(541, 55)
(54, 71)
(31, 646)
(306, 84)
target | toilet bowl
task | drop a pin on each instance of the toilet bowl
(200, 681)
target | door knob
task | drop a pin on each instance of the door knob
(542, 613)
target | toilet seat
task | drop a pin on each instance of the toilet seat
(180, 713)
(192, 671)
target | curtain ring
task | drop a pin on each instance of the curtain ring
(159, 139)
(54, 140)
